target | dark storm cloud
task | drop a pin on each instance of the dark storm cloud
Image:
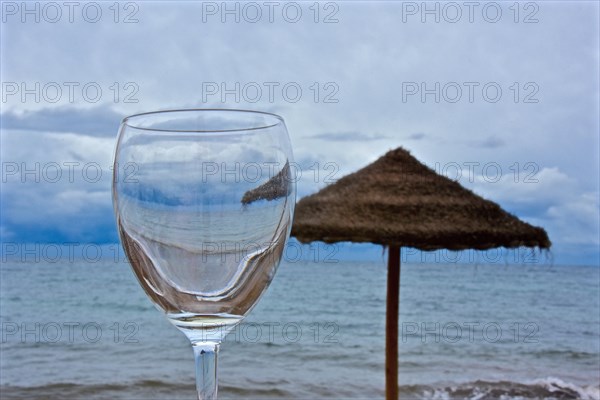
(98, 121)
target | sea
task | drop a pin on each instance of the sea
(84, 329)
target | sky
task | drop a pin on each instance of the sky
(501, 96)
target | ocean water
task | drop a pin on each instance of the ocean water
(85, 330)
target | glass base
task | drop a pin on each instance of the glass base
(204, 328)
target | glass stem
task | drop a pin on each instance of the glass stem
(205, 354)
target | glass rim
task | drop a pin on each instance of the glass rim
(127, 120)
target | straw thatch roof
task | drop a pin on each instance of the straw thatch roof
(276, 187)
(398, 201)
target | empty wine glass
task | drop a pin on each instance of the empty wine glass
(204, 201)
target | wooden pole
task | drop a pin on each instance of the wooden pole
(391, 324)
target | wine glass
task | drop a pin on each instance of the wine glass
(204, 201)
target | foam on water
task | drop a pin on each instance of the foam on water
(541, 389)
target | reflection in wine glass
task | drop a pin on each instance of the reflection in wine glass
(205, 217)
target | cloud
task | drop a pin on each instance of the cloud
(492, 142)
(56, 187)
(545, 186)
(5, 234)
(347, 137)
(550, 199)
(577, 219)
(362, 72)
(69, 216)
(417, 136)
(96, 121)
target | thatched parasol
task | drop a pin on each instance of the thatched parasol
(397, 201)
(276, 187)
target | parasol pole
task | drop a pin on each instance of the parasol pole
(391, 324)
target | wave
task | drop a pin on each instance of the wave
(562, 354)
(146, 389)
(541, 389)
